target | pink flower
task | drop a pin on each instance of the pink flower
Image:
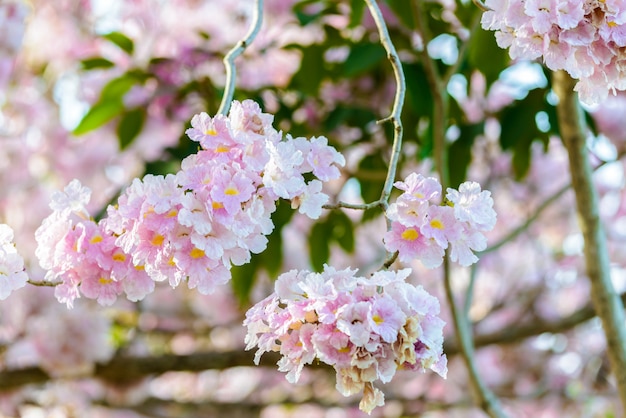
(311, 200)
(213, 134)
(473, 206)
(73, 198)
(386, 318)
(324, 159)
(441, 225)
(461, 249)
(365, 329)
(583, 38)
(352, 320)
(97, 284)
(408, 211)
(419, 188)
(12, 274)
(231, 188)
(411, 244)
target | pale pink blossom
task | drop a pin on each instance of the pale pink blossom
(12, 274)
(365, 332)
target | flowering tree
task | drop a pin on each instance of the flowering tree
(408, 214)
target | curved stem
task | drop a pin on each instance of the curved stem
(229, 59)
(440, 99)
(483, 397)
(482, 6)
(607, 303)
(398, 102)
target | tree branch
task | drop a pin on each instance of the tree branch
(229, 59)
(482, 395)
(126, 369)
(608, 305)
(398, 102)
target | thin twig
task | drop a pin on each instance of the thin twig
(398, 102)
(526, 224)
(532, 218)
(43, 284)
(453, 69)
(608, 305)
(483, 397)
(469, 292)
(482, 6)
(440, 99)
(355, 206)
(229, 59)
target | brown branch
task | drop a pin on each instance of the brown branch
(608, 305)
(513, 334)
(127, 369)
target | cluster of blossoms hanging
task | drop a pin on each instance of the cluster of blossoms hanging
(585, 38)
(12, 274)
(366, 328)
(190, 226)
(423, 230)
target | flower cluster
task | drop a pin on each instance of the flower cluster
(365, 328)
(422, 230)
(192, 225)
(585, 38)
(12, 274)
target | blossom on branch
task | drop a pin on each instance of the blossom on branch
(192, 225)
(365, 328)
(585, 38)
(423, 231)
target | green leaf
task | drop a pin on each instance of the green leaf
(319, 248)
(95, 63)
(418, 90)
(98, 115)
(519, 129)
(311, 72)
(129, 126)
(460, 153)
(371, 188)
(485, 55)
(272, 257)
(402, 9)
(118, 87)
(243, 278)
(362, 58)
(122, 41)
(357, 7)
(343, 230)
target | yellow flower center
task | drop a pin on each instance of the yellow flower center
(436, 223)
(231, 191)
(120, 257)
(222, 148)
(105, 280)
(410, 234)
(95, 239)
(196, 253)
(378, 319)
(157, 240)
(211, 131)
(217, 205)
